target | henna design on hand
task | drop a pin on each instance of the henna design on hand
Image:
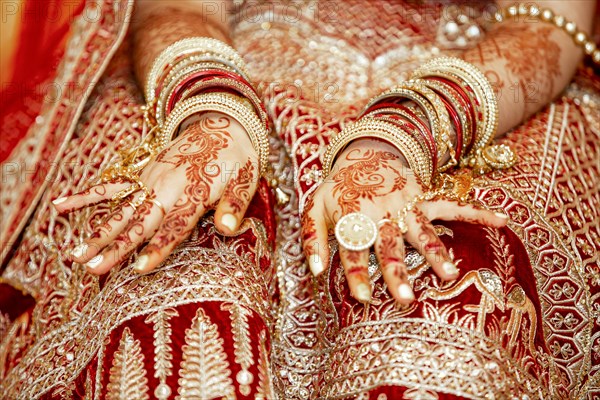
(362, 179)
(237, 191)
(428, 236)
(531, 61)
(198, 149)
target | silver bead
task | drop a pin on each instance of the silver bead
(523, 9)
(513, 11)
(596, 56)
(559, 21)
(580, 38)
(534, 10)
(451, 28)
(473, 32)
(589, 47)
(547, 15)
(571, 27)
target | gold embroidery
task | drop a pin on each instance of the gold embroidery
(205, 372)
(100, 367)
(127, 375)
(241, 343)
(265, 386)
(88, 386)
(163, 367)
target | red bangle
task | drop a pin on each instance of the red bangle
(199, 76)
(423, 128)
(466, 101)
(457, 125)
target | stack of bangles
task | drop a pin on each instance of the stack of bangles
(445, 115)
(192, 76)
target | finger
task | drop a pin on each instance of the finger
(389, 248)
(94, 195)
(236, 198)
(142, 226)
(174, 229)
(103, 234)
(356, 267)
(447, 210)
(315, 238)
(421, 235)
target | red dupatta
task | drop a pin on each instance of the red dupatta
(43, 27)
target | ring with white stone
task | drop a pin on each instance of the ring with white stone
(356, 232)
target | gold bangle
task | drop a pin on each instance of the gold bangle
(370, 127)
(475, 79)
(419, 138)
(176, 76)
(444, 143)
(547, 15)
(467, 129)
(228, 104)
(421, 101)
(185, 48)
(243, 90)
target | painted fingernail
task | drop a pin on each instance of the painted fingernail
(59, 200)
(315, 264)
(501, 215)
(94, 262)
(141, 263)
(449, 268)
(80, 250)
(405, 292)
(363, 292)
(229, 221)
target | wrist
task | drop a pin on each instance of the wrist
(375, 144)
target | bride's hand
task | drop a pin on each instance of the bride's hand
(369, 177)
(212, 162)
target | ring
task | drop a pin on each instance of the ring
(132, 205)
(159, 205)
(356, 232)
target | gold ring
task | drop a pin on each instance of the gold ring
(159, 205)
(132, 205)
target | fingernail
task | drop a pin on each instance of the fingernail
(363, 292)
(79, 250)
(449, 268)
(229, 221)
(405, 292)
(501, 215)
(141, 263)
(59, 200)
(315, 264)
(94, 262)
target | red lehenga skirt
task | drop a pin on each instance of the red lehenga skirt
(241, 316)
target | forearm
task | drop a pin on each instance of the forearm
(530, 62)
(157, 24)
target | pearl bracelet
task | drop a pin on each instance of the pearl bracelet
(547, 15)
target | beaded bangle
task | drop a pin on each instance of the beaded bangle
(547, 15)
(411, 129)
(457, 113)
(227, 104)
(401, 92)
(474, 79)
(443, 141)
(222, 84)
(465, 108)
(409, 116)
(368, 127)
(180, 76)
(184, 48)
